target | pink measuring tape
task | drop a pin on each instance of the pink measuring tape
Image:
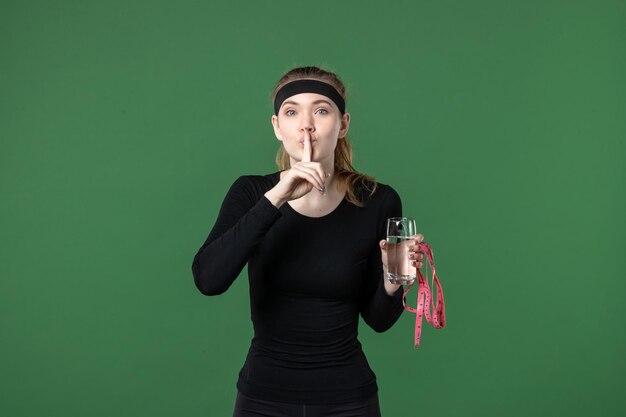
(438, 317)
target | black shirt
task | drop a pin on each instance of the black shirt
(309, 279)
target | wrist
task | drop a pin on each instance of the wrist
(274, 199)
(390, 288)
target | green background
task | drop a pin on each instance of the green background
(502, 124)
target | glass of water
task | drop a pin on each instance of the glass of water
(400, 235)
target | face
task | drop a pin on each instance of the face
(320, 116)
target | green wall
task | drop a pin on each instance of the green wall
(502, 124)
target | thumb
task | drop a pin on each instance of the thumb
(383, 244)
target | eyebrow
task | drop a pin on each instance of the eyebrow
(315, 102)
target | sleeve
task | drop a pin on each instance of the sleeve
(379, 309)
(241, 224)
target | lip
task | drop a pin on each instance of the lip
(312, 142)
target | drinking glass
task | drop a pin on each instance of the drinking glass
(400, 235)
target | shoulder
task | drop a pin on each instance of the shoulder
(380, 205)
(386, 191)
(252, 187)
(257, 181)
(383, 193)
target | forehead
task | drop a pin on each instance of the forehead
(307, 98)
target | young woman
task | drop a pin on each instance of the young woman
(312, 235)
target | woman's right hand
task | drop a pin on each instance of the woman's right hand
(300, 179)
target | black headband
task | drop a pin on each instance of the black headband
(308, 86)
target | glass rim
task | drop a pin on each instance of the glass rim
(400, 218)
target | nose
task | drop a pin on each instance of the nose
(306, 123)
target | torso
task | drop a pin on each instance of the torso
(310, 277)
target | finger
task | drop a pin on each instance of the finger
(419, 238)
(318, 168)
(303, 173)
(383, 253)
(319, 183)
(306, 153)
(415, 248)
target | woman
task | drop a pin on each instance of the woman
(312, 235)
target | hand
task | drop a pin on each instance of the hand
(415, 254)
(300, 179)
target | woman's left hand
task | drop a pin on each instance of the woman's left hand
(415, 255)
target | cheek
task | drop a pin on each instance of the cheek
(288, 133)
(333, 128)
(291, 147)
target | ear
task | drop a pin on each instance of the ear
(276, 127)
(345, 125)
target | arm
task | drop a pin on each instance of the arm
(241, 224)
(381, 306)
(380, 310)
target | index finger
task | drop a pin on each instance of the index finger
(306, 152)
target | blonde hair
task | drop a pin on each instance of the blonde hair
(345, 174)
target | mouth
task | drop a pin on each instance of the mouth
(301, 142)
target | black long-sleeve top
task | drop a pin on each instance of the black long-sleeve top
(309, 279)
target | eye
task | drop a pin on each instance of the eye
(288, 111)
(324, 111)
